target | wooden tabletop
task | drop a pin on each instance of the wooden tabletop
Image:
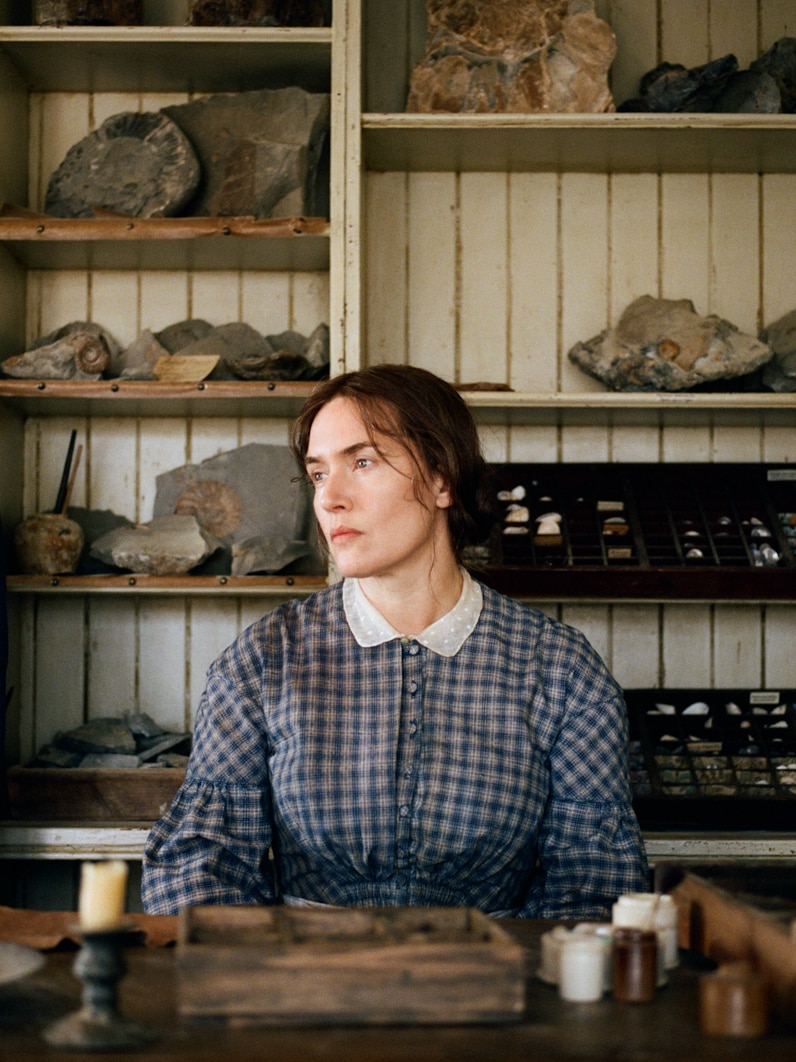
(552, 1030)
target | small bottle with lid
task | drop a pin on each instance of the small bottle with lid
(635, 964)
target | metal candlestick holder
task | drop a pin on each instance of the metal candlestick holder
(98, 1025)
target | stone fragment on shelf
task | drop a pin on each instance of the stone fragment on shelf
(749, 92)
(88, 12)
(138, 361)
(665, 345)
(141, 165)
(780, 373)
(504, 56)
(259, 151)
(780, 62)
(259, 13)
(99, 735)
(175, 337)
(672, 87)
(80, 355)
(167, 545)
(109, 759)
(251, 500)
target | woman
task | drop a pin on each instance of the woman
(407, 735)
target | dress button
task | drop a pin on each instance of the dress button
(413, 687)
(403, 811)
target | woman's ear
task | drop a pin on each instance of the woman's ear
(443, 498)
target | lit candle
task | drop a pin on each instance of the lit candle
(103, 888)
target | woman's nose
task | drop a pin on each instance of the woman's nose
(334, 493)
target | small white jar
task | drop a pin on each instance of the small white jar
(581, 968)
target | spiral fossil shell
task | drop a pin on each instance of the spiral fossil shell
(90, 352)
(216, 506)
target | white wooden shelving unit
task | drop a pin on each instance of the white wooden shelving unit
(481, 246)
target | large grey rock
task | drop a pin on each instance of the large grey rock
(142, 165)
(138, 361)
(509, 56)
(665, 345)
(780, 62)
(259, 151)
(250, 499)
(167, 545)
(780, 373)
(105, 735)
(175, 337)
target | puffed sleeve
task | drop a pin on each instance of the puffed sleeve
(212, 845)
(590, 848)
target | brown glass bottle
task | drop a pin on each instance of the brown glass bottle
(635, 962)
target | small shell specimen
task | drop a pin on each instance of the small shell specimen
(216, 506)
(90, 352)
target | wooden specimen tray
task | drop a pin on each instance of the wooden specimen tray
(703, 758)
(92, 794)
(402, 965)
(688, 531)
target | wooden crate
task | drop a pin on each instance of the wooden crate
(400, 965)
(727, 928)
(96, 794)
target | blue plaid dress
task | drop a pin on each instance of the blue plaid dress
(392, 775)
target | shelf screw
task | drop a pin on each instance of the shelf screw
(54, 582)
(39, 228)
(289, 581)
(272, 386)
(114, 387)
(41, 386)
(131, 582)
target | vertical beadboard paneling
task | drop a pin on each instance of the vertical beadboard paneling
(687, 646)
(685, 34)
(483, 309)
(777, 285)
(65, 118)
(112, 659)
(210, 436)
(533, 282)
(59, 682)
(59, 299)
(735, 249)
(633, 259)
(777, 19)
(216, 296)
(271, 431)
(634, 644)
(584, 252)
(162, 446)
(162, 300)
(385, 274)
(163, 638)
(114, 304)
(215, 623)
(685, 238)
(732, 28)
(112, 468)
(310, 301)
(778, 647)
(635, 24)
(431, 253)
(737, 657)
(594, 622)
(534, 442)
(266, 301)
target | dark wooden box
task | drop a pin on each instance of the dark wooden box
(278, 965)
(102, 795)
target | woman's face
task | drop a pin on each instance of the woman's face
(378, 516)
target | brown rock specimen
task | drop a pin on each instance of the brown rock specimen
(257, 13)
(89, 12)
(137, 164)
(48, 544)
(509, 56)
(665, 345)
(259, 151)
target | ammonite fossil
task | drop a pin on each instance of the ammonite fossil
(216, 506)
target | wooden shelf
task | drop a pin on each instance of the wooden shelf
(168, 58)
(140, 398)
(588, 143)
(161, 585)
(44, 242)
(278, 399)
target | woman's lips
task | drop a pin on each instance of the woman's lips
(344, 534)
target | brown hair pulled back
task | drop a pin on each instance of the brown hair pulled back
(430, 418)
